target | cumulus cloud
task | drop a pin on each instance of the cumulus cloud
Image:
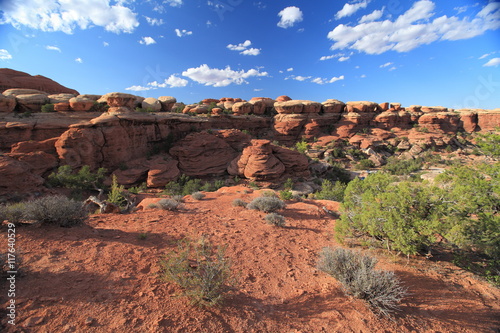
(243, 48)
(492, 63)
(5, 55)
(174, 3)
(183, 32)
(323, 58)
(375, 15)
(66, 16)
(172, 82)
(53, 48)
(79, 60)
(154, 21)
(289, 16)
(290, 69)
(350, 9)
(138, 88)
(220, 77)
(147, 41)
(341, 59)
(413, 28)
(317, 80)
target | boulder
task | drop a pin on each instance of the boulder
(258, 107)
(209, 101)
(31, 102)
(242, 108)
(203, 154)
(234, 137)
(167, 103)
(81, 104)
(257, 162)
(152, 104)
(162, 170)
(60, 98)
(283, 98)
(384, 106)
(62, 107)
(24, 147)
(117, 99)
(19, 91)
(289, 107)
(7, 103)
(333, 106)
(362, 107)
(39, 162)
(431, 109)
(469, 120)
(396, 106)
(311, 107)
(296, 164)
(290, 124)
(95, 98)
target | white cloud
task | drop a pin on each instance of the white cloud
(147, 41)
(387, 64)
(413, 28)
(320, 80)
(66, 16)
(341, 59)
(301, 78)
(174, 3)
(79, 60)
(486, 55)
(363, 76)
(5, 55)
(392, 68)
(252, 51)
(183, 32)
(240, 47)
(290, 69)
(220, 77)
(154, 21)
(138, 88)
(172, 82)
(492, 62)
(335, 79)
(350, 9)
(105, 43)
(375, 15)
(53, 48)
(327, 57)
(243, 47)
(289, 16)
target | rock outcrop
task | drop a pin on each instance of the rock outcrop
(10, 78)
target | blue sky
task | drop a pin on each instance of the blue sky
(412, 52)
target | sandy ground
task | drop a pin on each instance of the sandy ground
(103, 277)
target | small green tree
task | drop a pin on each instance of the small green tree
(116, 194)
(489, 143)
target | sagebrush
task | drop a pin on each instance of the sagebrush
(266, 204)
(382, 290)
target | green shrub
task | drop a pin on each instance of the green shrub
(117, 193)
(331, 191)
(401, 167)
(48, 108)
(197, 195)
(84, 179)
(173, 188)
(489, 143)
(381, 290)
(253, 185)
(301, 147)
(99, 107)
(275, 219)
(14, 213)
(169, 204)
(286, 195)
(364, 164)
(239, 203)
(138, 189)
(57, 210)
(288, 185)
(266, 204)
(202, 271)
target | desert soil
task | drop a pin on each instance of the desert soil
(103, 277)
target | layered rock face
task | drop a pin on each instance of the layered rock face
(10, 78)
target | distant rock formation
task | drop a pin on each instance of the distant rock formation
(10, 78)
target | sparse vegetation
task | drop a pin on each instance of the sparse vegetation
(364, 164)
(275, 219)
(266, 204)
(301, 147)
(201, 270)
(489, 143)
(117, 193)
(169, 204)
(331, 191)
(382, 290)
(239, 203)
(58, 210)
(84, 179)
(198, 195)
(401, 167)
(286, 195)
(48, 108)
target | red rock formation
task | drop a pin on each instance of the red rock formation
(167, 103)
(7, 103)
(333, 106)
(283, 98)
(362, 107)
(17, 176)
(488, 120)
(440, 121)
(203, 154)
(81, 104)
(257, 162)
(10, 78)
(162, 170)
(241, 108)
